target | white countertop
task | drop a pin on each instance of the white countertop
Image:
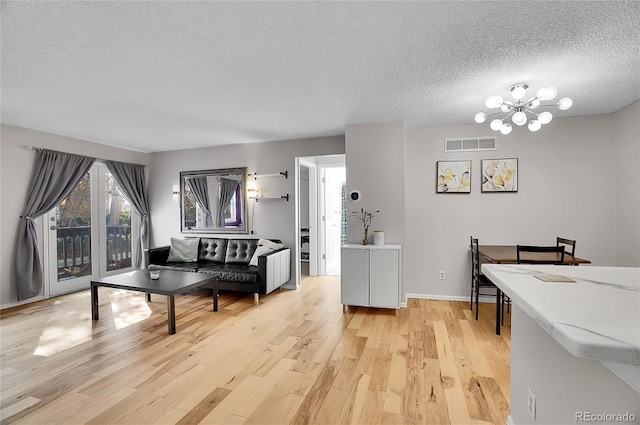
(597, 317)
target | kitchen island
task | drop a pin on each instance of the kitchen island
(575, 346)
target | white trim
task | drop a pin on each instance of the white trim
(37, 298)
(296, 224)
(510, 420)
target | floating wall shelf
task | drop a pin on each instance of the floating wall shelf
(256, 176)
(284, 174)
(271, 197)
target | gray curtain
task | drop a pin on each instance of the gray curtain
(131, 180)
(227, 190)
(200, 190)
(54, 177)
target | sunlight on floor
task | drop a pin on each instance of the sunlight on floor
(68, 330)
(129, 310)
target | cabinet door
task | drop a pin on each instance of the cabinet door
(385, 284)
(355, 277)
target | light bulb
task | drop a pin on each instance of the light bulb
(506, 129)
(480, 117)
(565, 103)
(519, 118)
(493, 102)
(545, 117)
(496, 124)
(506, 106)
(534, 125)
(547, 93)
(534, 103)
(518, 92)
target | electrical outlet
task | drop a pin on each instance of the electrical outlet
(531, 404)
(442, 275)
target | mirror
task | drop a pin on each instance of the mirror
(213, 201)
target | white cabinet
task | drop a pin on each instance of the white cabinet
(371, 275)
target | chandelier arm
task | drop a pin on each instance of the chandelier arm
(495, 113)
(531, 100)
(508, 115)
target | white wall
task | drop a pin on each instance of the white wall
(15, 176)
(375, 167)
(273, 218)
(626, 144)
(565, 188)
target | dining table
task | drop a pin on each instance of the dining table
(507, 254)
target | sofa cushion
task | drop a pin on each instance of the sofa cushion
(183, 250)
(177, 266)
(240, 250)
(265, 246)
(213, 249)
(231, 272)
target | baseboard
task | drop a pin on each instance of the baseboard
(510, 420)
(482, 298)
(289, 286)
(19, 303)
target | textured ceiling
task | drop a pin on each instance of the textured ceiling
(155, 76)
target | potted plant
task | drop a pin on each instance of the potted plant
(366, 218)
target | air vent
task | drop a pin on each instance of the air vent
(471, 144)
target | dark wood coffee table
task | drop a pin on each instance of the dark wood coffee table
(170, 283)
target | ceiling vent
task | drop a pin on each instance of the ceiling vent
(471, 144)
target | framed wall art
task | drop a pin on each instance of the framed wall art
(453, 177)
(499, 175)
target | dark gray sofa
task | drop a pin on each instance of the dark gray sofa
(228, 260)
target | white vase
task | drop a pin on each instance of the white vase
(378, 237)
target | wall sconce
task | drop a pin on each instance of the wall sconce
(176, 193)
(252, 190)
(255, 193)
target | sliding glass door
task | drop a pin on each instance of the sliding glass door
(90, 233)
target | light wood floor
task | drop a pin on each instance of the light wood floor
(295, 359)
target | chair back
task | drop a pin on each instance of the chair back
(527, 254)
(568, 244)
(475, 261)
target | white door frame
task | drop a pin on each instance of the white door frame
(51, 249)
(98, 240)
(313, 218)
(322, 208)
(316, 237)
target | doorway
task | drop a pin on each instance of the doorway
(95, 211)
(319, 202)
(335, 218)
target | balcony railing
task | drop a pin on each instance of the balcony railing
(74, 250)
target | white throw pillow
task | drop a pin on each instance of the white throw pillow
(264, 247)
(184, 250)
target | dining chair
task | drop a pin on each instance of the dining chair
(531, 254)
(478, 280)
(568, 244)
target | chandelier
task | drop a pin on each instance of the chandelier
(521, 112)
